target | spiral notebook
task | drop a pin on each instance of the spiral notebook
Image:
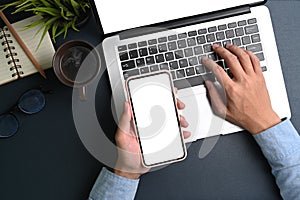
(14, 62)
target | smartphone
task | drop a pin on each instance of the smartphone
(156, 119)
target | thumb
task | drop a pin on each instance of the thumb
(125, 120)
(215, 99)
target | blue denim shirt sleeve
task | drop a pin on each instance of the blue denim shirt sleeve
(110, 186)
(281, 146)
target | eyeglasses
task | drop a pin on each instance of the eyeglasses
(30, 102)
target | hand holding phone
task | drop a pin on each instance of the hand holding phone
(156, 119)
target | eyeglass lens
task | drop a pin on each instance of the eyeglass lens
(30, 102)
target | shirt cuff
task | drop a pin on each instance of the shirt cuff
(279, 141)
(111, 186)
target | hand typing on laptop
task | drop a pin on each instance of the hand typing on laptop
(247, 100)
(247, 105)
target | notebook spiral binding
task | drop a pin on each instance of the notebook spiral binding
(10, 53)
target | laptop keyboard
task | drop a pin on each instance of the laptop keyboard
(181, 53)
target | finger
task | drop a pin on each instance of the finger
(180, 105)
(255, 62)
(183, 122)
(186, 134)
(243, 57)
(217, 70)
(125, 120)
(216, 101)
(231, 61)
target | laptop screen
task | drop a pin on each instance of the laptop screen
(118, 15)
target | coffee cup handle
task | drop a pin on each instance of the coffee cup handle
(82, 93)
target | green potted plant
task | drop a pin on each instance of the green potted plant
(57, 15)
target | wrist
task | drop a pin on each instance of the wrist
(127, 174)
(264, 123)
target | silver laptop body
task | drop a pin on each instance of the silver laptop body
(241, 21)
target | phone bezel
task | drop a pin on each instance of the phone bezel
(176, 111)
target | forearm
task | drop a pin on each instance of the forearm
(281, 146)
(110, 186)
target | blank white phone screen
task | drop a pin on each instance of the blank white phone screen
(156, 119)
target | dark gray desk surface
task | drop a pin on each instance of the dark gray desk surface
(46, 159)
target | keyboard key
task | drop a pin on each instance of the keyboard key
(180, 73)
(151, 42)
(172, 46)
(122, 48)
(220, 36)
(202, 31)
(130, 73)
(143, 52)
(255, 38)
(198, 50)
(183, 63)
(212, 56)
(172, 37)
(128, 65)
(162, 39)
(142, 44)
(252, 21)
(191, 42)
(181, 44)
(237, 41)
(140, 62)
(193, 61)
(169, 56)
(190, 71)
(189, 82)
(242, 23)
(201, 39)
(150, 60)
(226, 42)
(159, 58)
(162, 48)
(192, 33)
(260, 56)
(229, 34)
(254, 47)
(264, 68)
(182, 35)
(179, 54)
(133, 54)
(164, 66)
(221, 64)
(222, 27)
(207, 48)
(232, 25)
(132, 46)
(188, 52)
(246, 40)
(174, 65)
(123, 56)
(212, 29)
(153, 50)
(210, 37)
(239, 31)
(200, 69)
(251, 29)
(144, 70)
(154, 68)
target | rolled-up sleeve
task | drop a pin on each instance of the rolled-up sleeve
(110, 186)
(281, 146)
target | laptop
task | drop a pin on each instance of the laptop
(147, 36)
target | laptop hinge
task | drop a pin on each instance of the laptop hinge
(184, 22)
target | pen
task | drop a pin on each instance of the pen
(22, 44)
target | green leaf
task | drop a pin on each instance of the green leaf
(46, 29)
(51, 11)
